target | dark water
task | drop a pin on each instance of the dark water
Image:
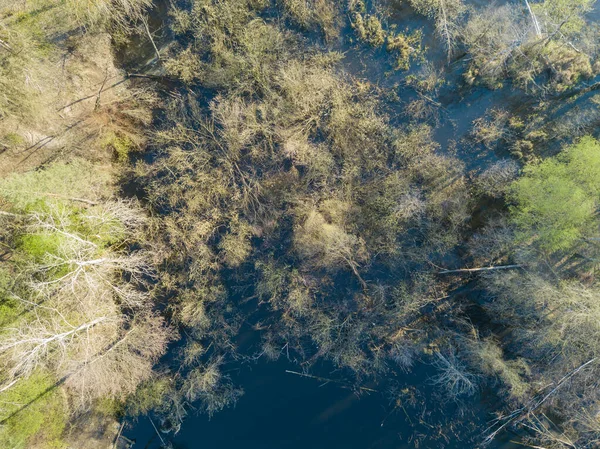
(281, 410)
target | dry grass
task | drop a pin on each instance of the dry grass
(70, 116)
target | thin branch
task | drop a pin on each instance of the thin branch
(536, 24)
(10, 214)
(562, 381)
(157, 432)
(97, 105)
(324, 379)
(6, 387)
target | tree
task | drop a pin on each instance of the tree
(555, 201)
(82, 298)
(446, 14)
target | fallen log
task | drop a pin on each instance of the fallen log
(478, 269)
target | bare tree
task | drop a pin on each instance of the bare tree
(113, 367)
(453, 375)
(86, 302)
(446, 14)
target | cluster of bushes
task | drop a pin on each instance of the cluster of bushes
(542, 45)
(290, 190)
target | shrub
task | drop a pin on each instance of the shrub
(235, 245)
(495, 180)
(122, 145)
(321, 14)
(406, 46)
(368, 28)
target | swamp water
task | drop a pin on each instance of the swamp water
(287, 410)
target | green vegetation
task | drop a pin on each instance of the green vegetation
(556, 200)
(47, 413)
(549, 305)
(60, 181)
(121, 145)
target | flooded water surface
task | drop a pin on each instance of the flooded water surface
(283, 410)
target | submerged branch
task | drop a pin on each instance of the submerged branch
(324, 379)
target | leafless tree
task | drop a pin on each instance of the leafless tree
(446, 14)
(86, 303)
(453, 375)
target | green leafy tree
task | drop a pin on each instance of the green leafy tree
(555, 201)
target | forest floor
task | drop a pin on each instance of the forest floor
(74, 115)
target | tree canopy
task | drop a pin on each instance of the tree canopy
(556, 200)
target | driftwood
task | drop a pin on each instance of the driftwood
(157, 432)
(116, 441)
(6, 46)
(529, 409)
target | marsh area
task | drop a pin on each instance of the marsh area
(300, 224)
